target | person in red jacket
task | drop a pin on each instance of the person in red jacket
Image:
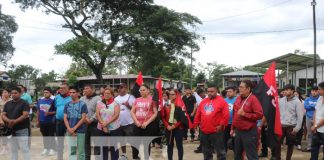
(173, 129)
(247, 110)
(212, 116)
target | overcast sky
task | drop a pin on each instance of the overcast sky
(237, 33)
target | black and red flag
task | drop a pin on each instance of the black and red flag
(267, 93)
(137, 85)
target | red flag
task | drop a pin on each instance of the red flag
(180, 103)
(266, 92)
(139, 79)
(137, 85)
(160, 92)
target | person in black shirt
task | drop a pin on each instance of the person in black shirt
(15, 115)
(191, 105)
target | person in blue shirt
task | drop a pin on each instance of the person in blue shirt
(230, 99)
(45, 115)
(26, 97)
(60, 101)
(75, 113)
(309, 105)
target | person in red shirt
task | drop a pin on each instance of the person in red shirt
(170, 115)
(247, 110)
(212, 116)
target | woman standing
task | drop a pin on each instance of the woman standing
(144, 113)
(108, 117)
(174, 130)
(5, 97)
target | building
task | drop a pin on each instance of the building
(129, 79)
(235, 78)
(296, 69)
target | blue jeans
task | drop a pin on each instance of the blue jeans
(60, 133)
(317, 141)
(20, 141)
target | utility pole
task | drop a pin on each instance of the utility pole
(313, 3)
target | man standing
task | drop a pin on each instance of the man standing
(45, 115)
(60, 101)
(212, 116)
(230, 99)
(126, 121)
(15, 114)
(318, 124)
(247, 111)
(309, 105)
(190, 103)
(91, 99)
(291, 117)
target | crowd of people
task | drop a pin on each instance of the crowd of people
(228, 120)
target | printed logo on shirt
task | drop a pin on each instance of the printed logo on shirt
(44, 107)
(230, 107)
(208, 108)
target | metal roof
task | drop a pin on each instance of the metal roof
(296, 62)
(242, 73)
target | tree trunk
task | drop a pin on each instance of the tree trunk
(98, 74)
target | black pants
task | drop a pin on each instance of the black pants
(47, 130)
(113, 151)
(246, 141)
(148, 131)
(215, 141)
(264, 141)
(128, 130)
(290, 142)
(60, 132)
(317, 141)
(91, 130)
(177, 135)
(227, 137)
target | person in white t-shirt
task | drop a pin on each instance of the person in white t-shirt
(318, 124)
(126, 102)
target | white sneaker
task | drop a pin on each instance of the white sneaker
(45, 151)
(299, 147)
(51, 152)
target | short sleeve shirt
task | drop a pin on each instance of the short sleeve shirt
(143, 109)
(14, 110)
(74, 113)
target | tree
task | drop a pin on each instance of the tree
(121, 28)
(201, 77)
(81, 69)
(23, 72)
(215, 72)
(8, 26)
(255, 69)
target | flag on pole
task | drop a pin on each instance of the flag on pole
(267, 93)
(137, 85)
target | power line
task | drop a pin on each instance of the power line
(247, 13)
(258, 32)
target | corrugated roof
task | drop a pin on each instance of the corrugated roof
(242, 73)
(296, 62)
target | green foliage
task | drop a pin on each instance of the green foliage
(215, 73)
(201, 77)
(177, 70)
(8, 26)
(146, 35)
(72, 80)
(255, 69)
(23, 72)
